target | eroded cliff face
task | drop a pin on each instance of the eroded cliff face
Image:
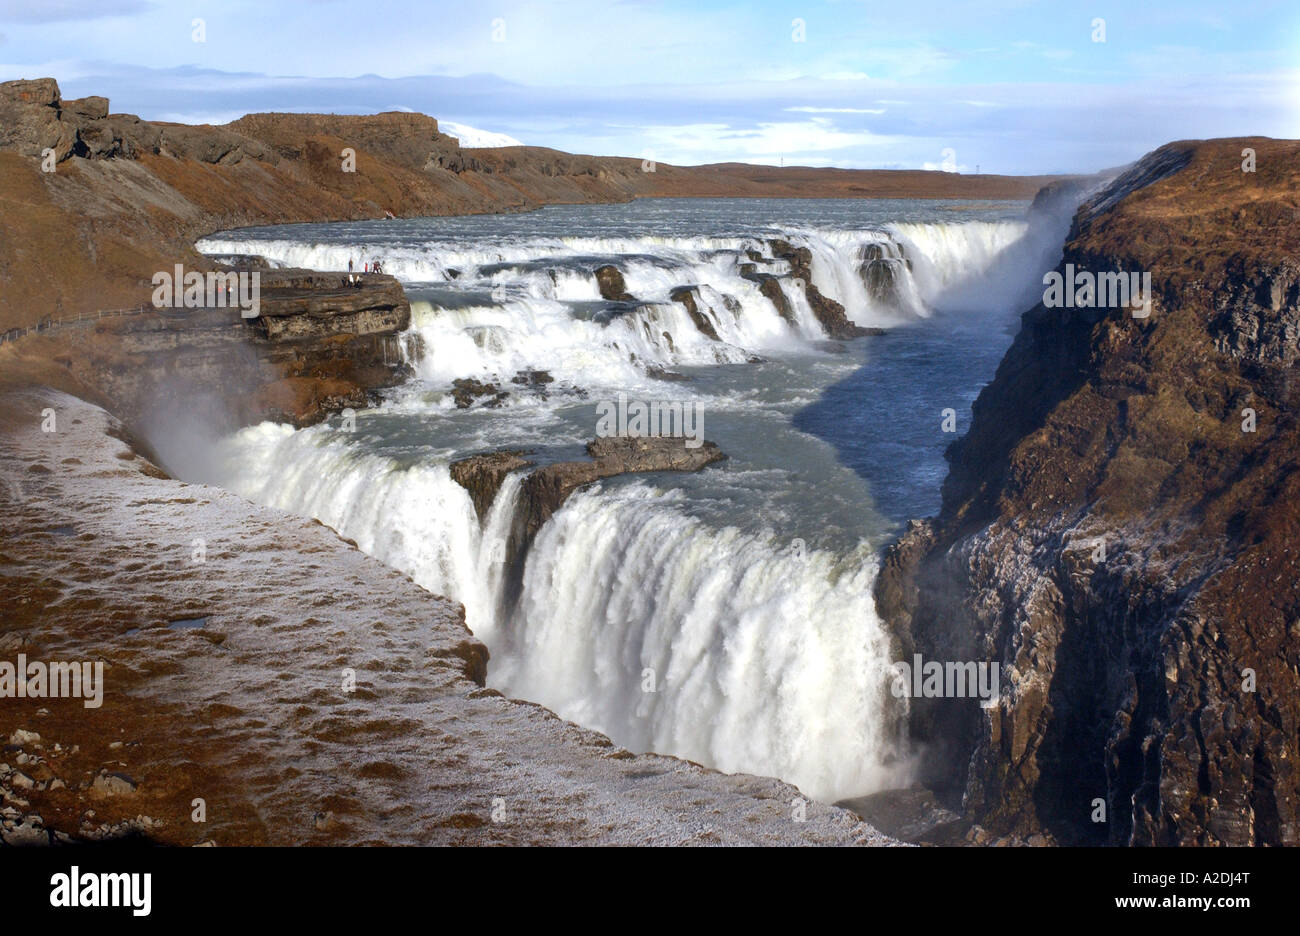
(317, 345)
(1119, 531)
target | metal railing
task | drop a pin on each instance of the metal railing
(391, 344)
(85, 318)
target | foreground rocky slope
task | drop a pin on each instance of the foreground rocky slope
(1119, 532)
(267, 683)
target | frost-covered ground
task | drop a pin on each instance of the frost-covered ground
(242, 704)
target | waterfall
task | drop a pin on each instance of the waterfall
(634, 615)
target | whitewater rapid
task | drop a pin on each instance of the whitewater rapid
(734, 644)
(490, 310)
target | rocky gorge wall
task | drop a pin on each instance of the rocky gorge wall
(1119, 532)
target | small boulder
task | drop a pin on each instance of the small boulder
(609, 279)
(27, 834)
(113, 784)
(466, 390)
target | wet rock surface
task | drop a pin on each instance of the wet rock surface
(609, 279)
(544, 490)
(482, 475)
(913, 815)
(547, 488)
(467, 390)
(687, 296)
(829, 313)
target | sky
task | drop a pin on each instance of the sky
(1002, 86)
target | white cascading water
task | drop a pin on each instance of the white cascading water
(525, 318)
(415, 518)
(635, 618)
(526, 332)
(715, 645)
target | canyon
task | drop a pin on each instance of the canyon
(1123, 670)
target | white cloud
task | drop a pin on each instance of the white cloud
(473, 137)
(216, 118)
(791, 141)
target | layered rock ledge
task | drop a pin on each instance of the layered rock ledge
(544, 490)
(317, 345)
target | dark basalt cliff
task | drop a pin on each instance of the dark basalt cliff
(1120, 532)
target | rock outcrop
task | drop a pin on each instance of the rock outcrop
(612, 286)
(687, 296)
(482, 475)
(1119, 531)
(315, 347)
(30, 119)
(829, 312)
(409, 140)
(544, 490)
(34, 118)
